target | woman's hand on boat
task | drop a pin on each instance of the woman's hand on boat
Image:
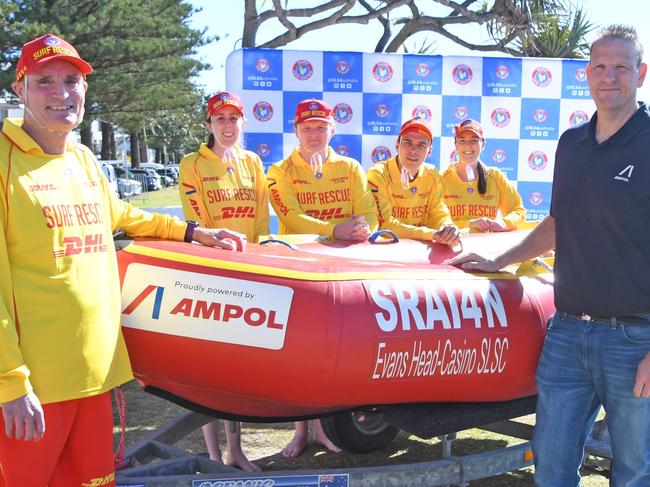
(487, 225)
(356, 229)
(447, 235)
(220, 237)
(473, 262)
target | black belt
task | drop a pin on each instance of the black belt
(643, 320)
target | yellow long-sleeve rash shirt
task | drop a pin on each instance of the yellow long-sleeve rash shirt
(217, 198)
(417, 212)
(500, 200)
(306, 204)
(59, 285)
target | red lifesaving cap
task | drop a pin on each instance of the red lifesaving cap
(417, 125)
(313, 109)
(224, 99)
(48, 48)
(468, 125)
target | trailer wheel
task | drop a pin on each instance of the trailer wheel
(362, 431)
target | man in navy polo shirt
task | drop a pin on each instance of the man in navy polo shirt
(597, 351)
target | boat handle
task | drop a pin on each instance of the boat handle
(379, 233)
(277, 240)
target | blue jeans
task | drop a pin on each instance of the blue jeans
(583, 365)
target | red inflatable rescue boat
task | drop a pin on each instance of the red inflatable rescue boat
(281, 333)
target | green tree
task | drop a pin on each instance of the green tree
(518, 27)
(141, 50)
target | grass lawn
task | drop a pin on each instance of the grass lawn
(158, 199)
(262, 444)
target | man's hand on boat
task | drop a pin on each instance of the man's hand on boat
(474, 262)
(23, 418)
(447, 235)
(355, 229)
(220, 237)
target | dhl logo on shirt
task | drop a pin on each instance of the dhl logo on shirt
(237, 212)
(328, 214)
(93, 243)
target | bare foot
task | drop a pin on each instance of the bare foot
(321, 437)
(295, 447)
(239, 460)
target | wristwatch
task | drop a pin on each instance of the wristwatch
(189, 232)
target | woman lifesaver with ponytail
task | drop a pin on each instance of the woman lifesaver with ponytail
(479, 197)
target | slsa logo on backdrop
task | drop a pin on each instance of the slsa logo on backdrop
(194, 305)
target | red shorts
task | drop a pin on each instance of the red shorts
(76, 450)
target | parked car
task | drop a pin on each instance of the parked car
(148, 177)
(166, 181)
(111, 177)
(128, 188)
(169, 172)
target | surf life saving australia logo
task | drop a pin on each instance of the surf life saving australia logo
(302, 70)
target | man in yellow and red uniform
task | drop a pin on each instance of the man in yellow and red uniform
(222, 184)
(408, 192)
(315, 190)
(61, 349)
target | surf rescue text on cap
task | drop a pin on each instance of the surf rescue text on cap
(417, 125)
(313, 109)
(48, 48)
(468, 125)
(224, 99)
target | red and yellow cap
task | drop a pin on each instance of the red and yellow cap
(417, 125)
(48, 48)
(468, 125)
(224, 99)
(313, 109)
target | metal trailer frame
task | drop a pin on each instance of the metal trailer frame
(155, 462)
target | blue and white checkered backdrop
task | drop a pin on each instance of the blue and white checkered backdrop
(524, 104)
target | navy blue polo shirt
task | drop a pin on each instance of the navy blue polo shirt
(601, 207)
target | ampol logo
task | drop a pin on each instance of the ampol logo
(535, 199)
(500, 117)
(342, 67)
(578, 118)
(381, 153)
(263, 150)
(502, 71)
(302, 69)
(382, 71)
(342, 150)
(581, 75)
(342, 113)
(422, 70)
(499, 156)
(537, 160)
(382, 110)
(461, 113)
(542, 77)
(262, 65)
(263, 111)
(422, 111)
(462, 74)
(205, 307)
(540, 115)
(453, 157)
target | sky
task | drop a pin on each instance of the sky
(225, 18)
